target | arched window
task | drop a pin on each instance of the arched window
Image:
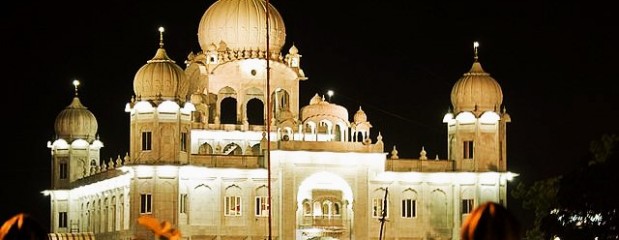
(228, 111)
(307, 208)
(409, 203)
(232, 201)
(317, 209)
(379, 204)
(262, 202)
(255, 112)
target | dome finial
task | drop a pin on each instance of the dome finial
(75, 84)
(475, 47)
(161, 30)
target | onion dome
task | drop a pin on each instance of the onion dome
(476, 91)
(160, 78)
(76, 122)
(360, 116)
(323, 109)
(239, 24)
(315, 100)
(293, 50)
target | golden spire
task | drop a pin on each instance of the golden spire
(75, 84)
(161, 30)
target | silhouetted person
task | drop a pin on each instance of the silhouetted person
(22, 227)
(490, 221)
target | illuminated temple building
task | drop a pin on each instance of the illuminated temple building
(203, 158)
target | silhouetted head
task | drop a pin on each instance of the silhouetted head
(22, 227)
(490, 221)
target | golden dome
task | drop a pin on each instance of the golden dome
(240, 25)
(360, 116)
(160, 79)
(324, 109)
(315, 100)
(76, 122)
(476, 91)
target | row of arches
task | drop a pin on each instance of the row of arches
(224, 108)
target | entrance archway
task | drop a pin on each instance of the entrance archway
(324, 207)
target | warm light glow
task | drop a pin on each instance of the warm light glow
(188, 107)
(324, 180)
(60, 144)
(476, 44)
(96, 144)
(76, 83)
(198, 173)
(57, 194)
(143, 106)
(465, 117)
(128, 107)
(439, 177)
(167, 171)
(466, 178)
(79, 144)
(122, 181)
(144, 171)
(161, 29)
(448, 118)
(168, 107)
(489, 117)
(253, 67)
(509, 176)
(489, 178)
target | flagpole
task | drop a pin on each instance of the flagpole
(268, 120)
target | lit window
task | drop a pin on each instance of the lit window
(262, 206)
(64, 172)
(233, 206)
(62, 219)
(336, 209)
(467, 150)
(409, 208)
(467, 206)
(307, 208)
(183, 203)
(184, 141)
(378, 206)
(147, 141)
(326, 208)
(146, 203)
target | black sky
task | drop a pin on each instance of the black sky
(398, 60)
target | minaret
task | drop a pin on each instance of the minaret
(76, 149)
(160, 114)
(476, 129)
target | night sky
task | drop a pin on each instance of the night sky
(397, 60)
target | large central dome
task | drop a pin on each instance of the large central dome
(241, 25)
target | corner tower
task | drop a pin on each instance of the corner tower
(159, 116)
(76, 150)
(476, 129)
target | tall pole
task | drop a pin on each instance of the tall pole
(268, 120)
(383, 215)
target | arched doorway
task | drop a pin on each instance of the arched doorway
(324, 207)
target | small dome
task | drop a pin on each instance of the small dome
(360, 116)
(315, 100)
(324, 109)
(293, 50)
(160, 79)
(476, 91)
(239, 24)
(76, 122)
